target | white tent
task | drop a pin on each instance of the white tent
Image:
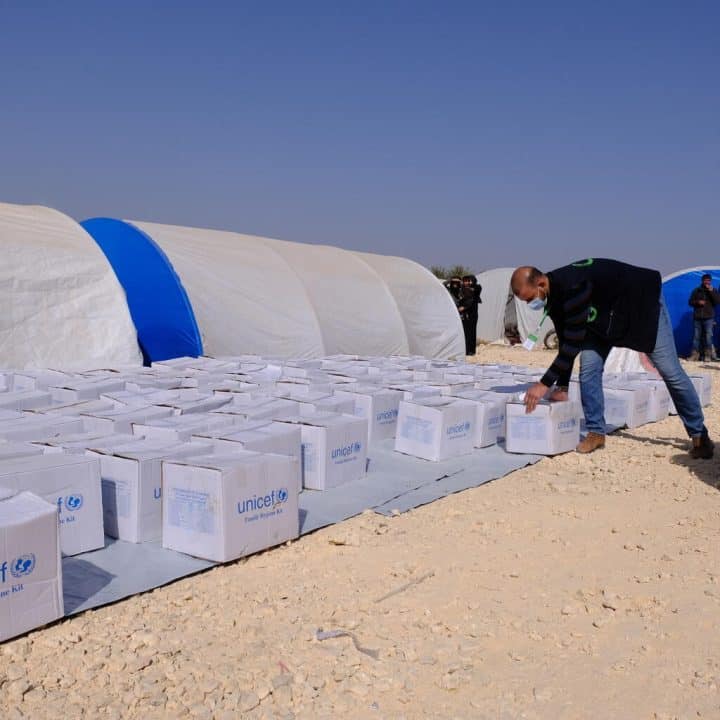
(61, 305)
(500, 307)
(256, 295)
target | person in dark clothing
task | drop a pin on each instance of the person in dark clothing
(596, 305)
(468, 309)
(703, 300)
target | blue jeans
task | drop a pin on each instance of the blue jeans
(704, 329)
(664, 357)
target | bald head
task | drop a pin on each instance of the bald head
(526, 280)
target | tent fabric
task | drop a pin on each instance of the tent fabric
(246, 297)
(432, 324)
(493, 310)
(62, 305)
(281, 299)
(676, 290)
(158, 303)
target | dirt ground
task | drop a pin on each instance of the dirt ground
(581, 587)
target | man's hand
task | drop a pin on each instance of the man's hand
(534, 395)
(559, 396)
(700, 302)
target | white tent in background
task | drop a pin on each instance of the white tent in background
(270, 297)
(499, 308)
(61, 303)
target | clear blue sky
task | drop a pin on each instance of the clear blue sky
(484, 133)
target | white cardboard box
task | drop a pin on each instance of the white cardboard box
(31, 591)
(436, 428)
(77, 390)
(222, 507)
(334, 449)
(181, 428)
(123, 420)
(275, 438)
(16, 449)
(629, 406)
(132, 486)
(378, 406)
(490, 421)
(659, 403)
(71, 483)
(42, 426)
(550, 429)
(703, 385)
(24, 399)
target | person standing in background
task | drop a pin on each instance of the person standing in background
(468, 308)
(703, 300)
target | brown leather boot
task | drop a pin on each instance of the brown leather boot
(702, 448)
(593, 441)
(694, 355)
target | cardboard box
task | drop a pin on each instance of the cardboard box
(77, 390)
(222, 507)
(334, 449)
(659, 404)
(24, 399)
(703, 386)
(378, 406)
(181, 428)
(12, 450)
(257, 408)
(273, 438)
(78, 443)
(42, 426)
(550, 429)
(122, 421)
(490, 421)
(31, 592)
(132, 486)
(629, 406)
(436, 428)
(71, 483)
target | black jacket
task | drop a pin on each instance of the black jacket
(711, 298)
(602, 301)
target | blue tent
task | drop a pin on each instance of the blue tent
(158, 303)
(676, 290)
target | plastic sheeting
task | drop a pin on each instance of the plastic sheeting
(393, 482)
(677, 288)
(281, 299)
(61, 305)
(494, 310)
(158, 303)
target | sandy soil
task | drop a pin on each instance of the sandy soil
(581, 587)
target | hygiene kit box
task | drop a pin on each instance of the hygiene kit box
(378, 406)
(31, 592)
(71, 483)
(132, 485)
(627, 406)
(550, 429)
(436, 428)
(223, 507)
(334, 448)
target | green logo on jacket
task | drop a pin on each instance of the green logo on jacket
(584, 263)
(592, 314)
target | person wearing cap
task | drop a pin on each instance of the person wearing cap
(703, 300)
(595, 305)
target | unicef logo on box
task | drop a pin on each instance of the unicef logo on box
(357, 447)
(282, 495)
(73, 502)
(23, 565)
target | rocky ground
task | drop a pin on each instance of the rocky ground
(581, 587)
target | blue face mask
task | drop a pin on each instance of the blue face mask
(537, 304)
